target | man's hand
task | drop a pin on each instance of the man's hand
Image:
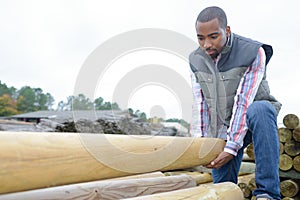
(221, 160)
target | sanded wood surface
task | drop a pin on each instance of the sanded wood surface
(108, 189)
(199, 177)
(221, 191)
(31, 160)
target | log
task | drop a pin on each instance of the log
(197, 176)
(296, 134)
(250, 151)
(285, 162)
(284, 134)
(296, 163)
(243, 184)
(246, 168)
(38, 160)
(289, 188)
(291, 121)
(292, 148)
(247, 158)
(281, 149)
(252, 184)
(245, 189)
(108, 190)
(224, 191)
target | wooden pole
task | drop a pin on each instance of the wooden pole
(291, 121)
(197, 176)
(292, 148)
(284, 134)
(31, 160)
(296, 134)
(107, 189)
(285, 163)
(222, 191)
(296, 163)
(289, 188)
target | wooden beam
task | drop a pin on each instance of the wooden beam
(107, 189)
(31, 160)
(224, 191)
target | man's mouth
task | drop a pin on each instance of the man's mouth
(211, 51)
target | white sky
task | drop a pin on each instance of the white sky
(44, 43)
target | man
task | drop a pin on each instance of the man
(233, 101)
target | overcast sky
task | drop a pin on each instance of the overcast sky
(44, 43)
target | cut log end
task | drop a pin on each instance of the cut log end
(291, 121)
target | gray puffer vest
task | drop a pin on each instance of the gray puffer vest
(219, 84)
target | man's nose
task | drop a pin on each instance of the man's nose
(207, 44)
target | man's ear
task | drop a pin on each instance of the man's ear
(228, 31)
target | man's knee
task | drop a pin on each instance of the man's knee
(259, 108)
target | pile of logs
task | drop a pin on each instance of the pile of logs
(36, 165)
(289, 166)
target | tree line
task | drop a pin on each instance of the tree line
(27, 99)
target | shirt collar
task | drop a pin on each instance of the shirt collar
(228, 44)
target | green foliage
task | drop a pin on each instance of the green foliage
(11, 91)
(81, 102)
(7, 106)
(101, 105)
(33, 99)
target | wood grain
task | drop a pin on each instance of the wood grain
(108, 189)
(222, 191)
(31, 160)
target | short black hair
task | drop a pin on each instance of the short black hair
(211, 13)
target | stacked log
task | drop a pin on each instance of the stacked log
(289, 137)
(289, 166)
(38, 160)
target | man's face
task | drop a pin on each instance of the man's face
(212, 37)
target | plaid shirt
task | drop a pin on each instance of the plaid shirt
(245, 94)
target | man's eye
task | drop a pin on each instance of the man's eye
(214, 37)
(201, 39)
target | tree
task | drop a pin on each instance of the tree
(98, 103)
(11, 91)
(101, 105)
(79, 102)
(33, 99)
(7, 106)
(26, 100)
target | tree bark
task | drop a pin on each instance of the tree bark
(224, 191)
(37, 160)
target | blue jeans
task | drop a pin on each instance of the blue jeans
(263, 132)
